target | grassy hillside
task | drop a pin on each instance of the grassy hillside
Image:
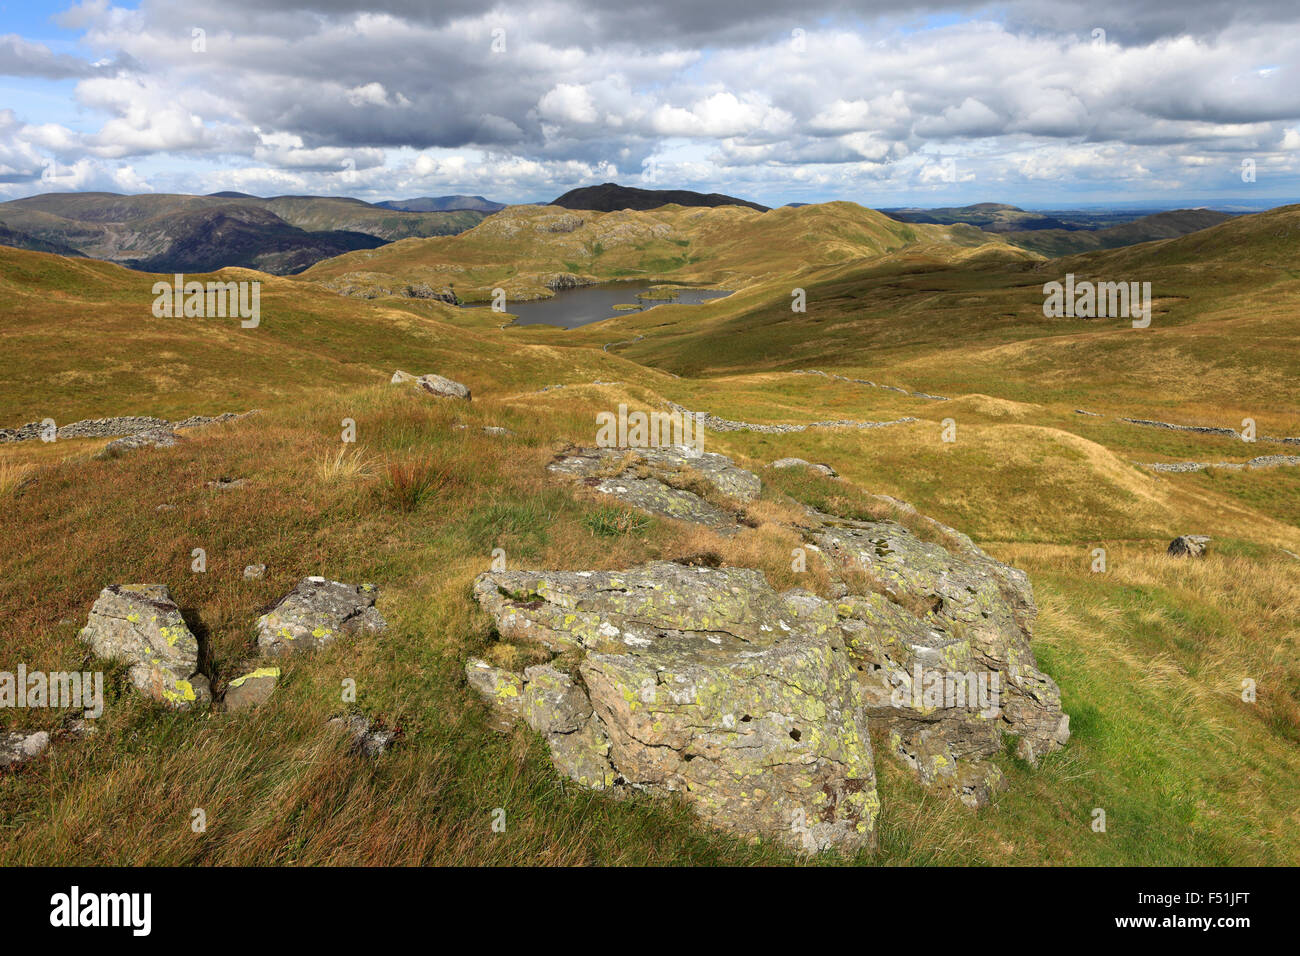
(1161, 225)
(196, 233)
(1149, 655)
(531, 250)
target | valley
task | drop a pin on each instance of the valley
(921, 368)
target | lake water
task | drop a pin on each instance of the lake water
(571, 308)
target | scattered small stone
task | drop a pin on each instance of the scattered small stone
(251, 689)
(224, 483)
(78, 727)
(18, 748)
(863, 381)
(314, 613)
(254, 572)
(165, 507)
(141, 624)
(714, 423)
(496, 430)
(367, 741)
(1189, 545)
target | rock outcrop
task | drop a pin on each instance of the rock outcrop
(702, 681)
(782, 463)
(943, 634)
(141, 624)
(163, 437)
(670, 482)
(433, 384)
(1189, 546)
(316, 612)
(755, 705)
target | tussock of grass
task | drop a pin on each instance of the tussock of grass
(344, 465)
(613, 522)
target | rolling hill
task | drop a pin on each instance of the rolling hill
(1148, 655)
(532, 250)
(1063, 233)
(1162, 225)
(443, 204)
(177, 232)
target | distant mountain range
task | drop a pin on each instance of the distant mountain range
(443, 204)
(1063, 233)
(180, 233)
(287, 234)
(610, 197)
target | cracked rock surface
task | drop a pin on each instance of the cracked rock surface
(702, 681)
(141, 624)
(314, 613)
(665, 481)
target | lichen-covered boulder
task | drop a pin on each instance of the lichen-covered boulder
(433, 384)
(944, 630)
(670, 482)
(923, 633)
(316, 612)
(1189, 546)
(552, 703)
(18, 748)
(251, 689)
(702, 681)
(141, 624)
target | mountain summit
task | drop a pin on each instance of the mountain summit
(611, 197)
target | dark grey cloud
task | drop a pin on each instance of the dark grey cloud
(19, 57)
(305, 91)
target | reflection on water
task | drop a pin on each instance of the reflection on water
(571, 308)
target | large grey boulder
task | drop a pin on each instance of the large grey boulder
(316, 612)
(924, 633)
(17, 747)
(141, 624)
(433, 384)
(700, 681)
(1189, 546)
(944, 632)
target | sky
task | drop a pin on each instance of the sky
(902, 103)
